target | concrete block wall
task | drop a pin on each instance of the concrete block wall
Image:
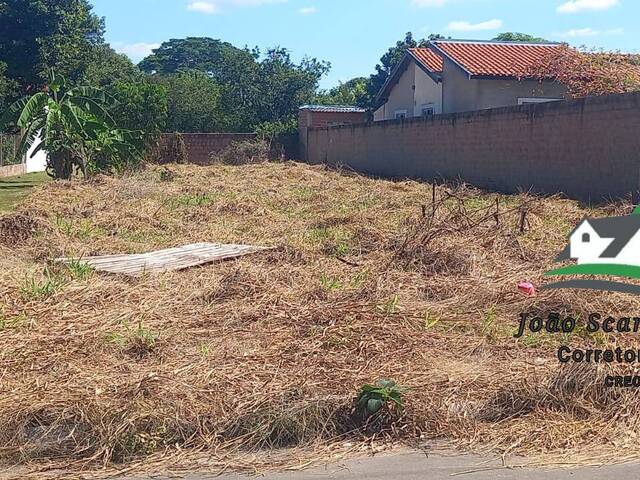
(13, 170)
(588, 149)
(200, 145)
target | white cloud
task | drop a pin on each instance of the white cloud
(575, 6)
(428, 3)
(589, 32)
(463, 26)
(135, 51)
(211, 7)
(203, 7)
(308, 11)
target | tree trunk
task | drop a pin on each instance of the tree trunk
(61, 165)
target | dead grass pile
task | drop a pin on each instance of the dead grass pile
(369, 279)
(17, 228)
(242, 153)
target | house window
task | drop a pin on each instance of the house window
(400, 114)
(530, 100)
(586, 238)
(427, 110)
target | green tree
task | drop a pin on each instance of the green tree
(518, 37)
(8, 87)
(195, 103)
(233, 69)
(107, 67)
(284, 85)
(140, 105)
(73, 126)
(38, 34)
(353, 92)
(244, 89)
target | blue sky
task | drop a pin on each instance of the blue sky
(353, 34)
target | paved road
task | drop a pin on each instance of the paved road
(417, 466)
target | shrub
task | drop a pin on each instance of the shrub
(244, 152)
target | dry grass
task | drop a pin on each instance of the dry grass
(268, 351)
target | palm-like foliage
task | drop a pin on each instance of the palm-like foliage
(73, 126)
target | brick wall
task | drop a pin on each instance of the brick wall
(200, 145)
(588, 149)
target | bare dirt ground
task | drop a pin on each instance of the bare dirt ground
(218, 367)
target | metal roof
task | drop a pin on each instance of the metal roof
(333, 108)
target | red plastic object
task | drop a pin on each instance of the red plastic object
(527, 289)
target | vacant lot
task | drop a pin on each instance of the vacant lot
(368, 279)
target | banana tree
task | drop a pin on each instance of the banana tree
(72, 125)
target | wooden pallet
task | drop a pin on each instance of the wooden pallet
(166, 260)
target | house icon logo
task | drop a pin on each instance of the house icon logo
(606, 247)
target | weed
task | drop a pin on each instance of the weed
(429, 322)
(64, 225)
(7, 323)
(116, 339)
(303, 193)
(489, 320)
(197, 200)
(320, 233)
(391, 306)
(145, 337)
(330, 283)
(33, 288)
(372, 398)
(79, 270)
(137, 342)
(358, 279)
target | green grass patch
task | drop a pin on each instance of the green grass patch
(14, 189)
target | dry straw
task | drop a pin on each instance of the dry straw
(369, 279)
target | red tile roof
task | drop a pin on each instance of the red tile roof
(494, 58)
(428, 58)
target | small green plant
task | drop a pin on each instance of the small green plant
(330, 283)
(204, 349)
(391, 306)
(489, 320)
(116, 339)
(79, 270)
(430, 322)
(137, 342)
(64, 225)
(372, 398)
(145, 337)
(7, 323)
(197, 200)
(358, 279)
(33, 288)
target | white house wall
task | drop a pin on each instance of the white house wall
(463, 94)
(401, 95)
(414, 89)
(427, 91)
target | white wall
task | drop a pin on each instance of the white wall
(414, 89)
(427, 91)
(37, 163)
